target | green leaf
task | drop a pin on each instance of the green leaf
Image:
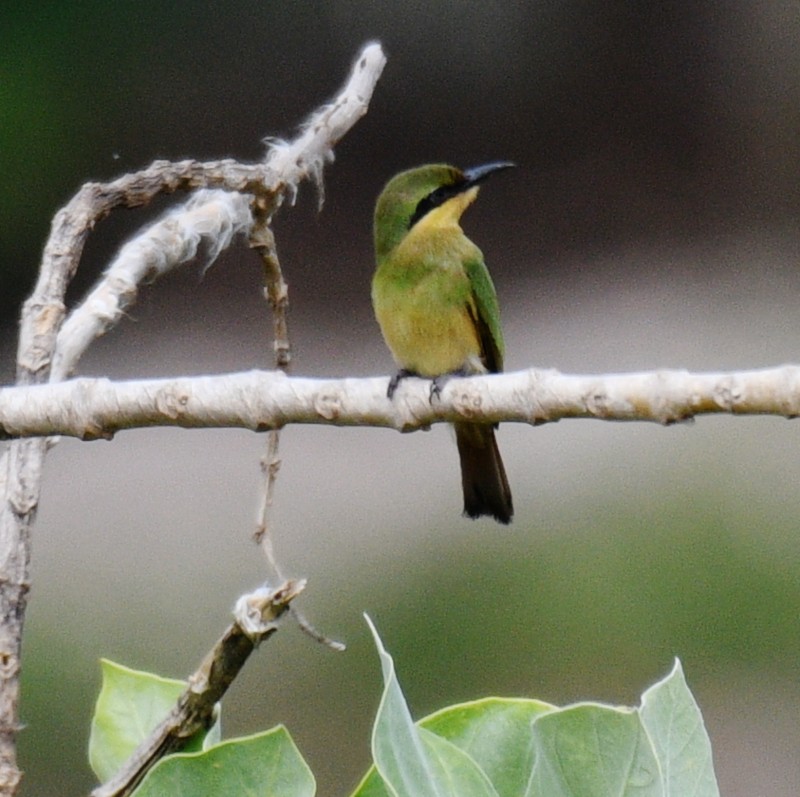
(673, 722)
(264, 765)
(414, 762)
(131, 703)
(496, 733)
(589, 750)
(525, 748)
(371, 785)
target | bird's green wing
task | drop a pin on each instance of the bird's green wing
(486, 312)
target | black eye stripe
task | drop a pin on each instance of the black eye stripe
(436, 197)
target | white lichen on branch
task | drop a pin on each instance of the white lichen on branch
(259, 400)
(210, 217)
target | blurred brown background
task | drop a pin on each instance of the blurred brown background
(652, 222)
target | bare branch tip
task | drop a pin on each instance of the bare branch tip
(371, 56)
(257, 611)
(307, 154)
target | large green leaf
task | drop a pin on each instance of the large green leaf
(414, 762)
(264, 765)
(674, 724)
(495, 733)
(589, 750)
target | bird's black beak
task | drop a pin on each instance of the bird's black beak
(477, 174)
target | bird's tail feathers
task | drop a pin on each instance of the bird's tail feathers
(483, 477)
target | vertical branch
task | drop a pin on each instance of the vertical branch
(21, 470)
(22, 481)
(276, 289)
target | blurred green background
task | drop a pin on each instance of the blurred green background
(652, 222)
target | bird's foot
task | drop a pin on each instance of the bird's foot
(438, 382)
(396, 380)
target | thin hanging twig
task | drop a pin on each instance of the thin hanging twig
(276, 291)
(277, 294)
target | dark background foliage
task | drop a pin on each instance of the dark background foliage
(651, 223)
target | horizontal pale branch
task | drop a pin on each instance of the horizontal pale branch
(259, 400)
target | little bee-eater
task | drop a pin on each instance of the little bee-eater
(437, 307)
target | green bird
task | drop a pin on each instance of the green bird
(437, 307)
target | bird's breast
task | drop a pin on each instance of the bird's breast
(424, 308)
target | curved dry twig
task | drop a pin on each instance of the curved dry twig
(44, 311)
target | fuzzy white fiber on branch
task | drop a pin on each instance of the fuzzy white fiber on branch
(307, 154)
(209, 217)
(259, 400)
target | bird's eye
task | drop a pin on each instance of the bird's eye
(423, 206)
(441, 195)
